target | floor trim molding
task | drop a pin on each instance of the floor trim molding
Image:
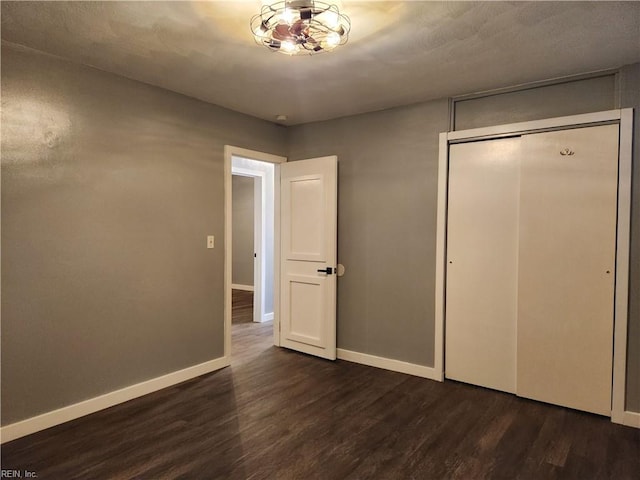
(631, 419)
(267, 317)
(389, 364)
(77, 410)
(246, 288)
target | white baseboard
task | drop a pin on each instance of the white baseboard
(631, 419)
(267, 317)
(77, 410)
(246, 288)
(390, 364)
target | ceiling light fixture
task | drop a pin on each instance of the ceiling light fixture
(300, 27)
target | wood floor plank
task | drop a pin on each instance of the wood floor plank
(241, 306)
(276, 413)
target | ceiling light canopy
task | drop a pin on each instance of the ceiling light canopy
(300, 27)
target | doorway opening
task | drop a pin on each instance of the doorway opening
(251, 245)
(252, 235)
(252, 248)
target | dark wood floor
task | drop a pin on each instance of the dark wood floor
(280, 414)
(242, 306)
(249, 340)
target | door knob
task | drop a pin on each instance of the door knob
(327, 270)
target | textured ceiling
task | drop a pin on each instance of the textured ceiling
(398, 53)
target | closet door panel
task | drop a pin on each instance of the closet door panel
(566, 267)
(482, 242)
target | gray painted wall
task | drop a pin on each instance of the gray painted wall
(571, 98)
(387, 198)
(109, 189)
(387, 202)
(243, 220)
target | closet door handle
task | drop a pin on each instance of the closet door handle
(327, 270)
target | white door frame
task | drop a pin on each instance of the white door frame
(230, 152)
(259, 238)
(625, 118)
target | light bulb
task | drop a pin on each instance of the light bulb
(288, 47)
(288, 16)
(330, 19)
(333, 39)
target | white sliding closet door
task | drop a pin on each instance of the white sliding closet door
(482, 255)
(567, 267)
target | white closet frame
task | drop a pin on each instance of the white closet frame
(623, 117)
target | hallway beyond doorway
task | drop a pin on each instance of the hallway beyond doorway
(248, 339)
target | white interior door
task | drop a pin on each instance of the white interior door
(482, 263)
(567, 267)
(308, 210)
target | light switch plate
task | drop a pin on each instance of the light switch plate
(210, 241)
